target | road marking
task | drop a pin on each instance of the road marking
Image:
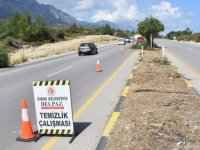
(25, 68)
(188, 83)
(111, 122)
(195, 73)
(54, 59)
(59, 71)
(125, 92)
(53, 140)
(98, 57)
(3, 74)
(131, 75)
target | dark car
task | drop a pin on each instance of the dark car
(87, 48)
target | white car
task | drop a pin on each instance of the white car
(127, 40)
(121, 41)
(131, 40)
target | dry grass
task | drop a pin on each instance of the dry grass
(160, 112)
(51, 49)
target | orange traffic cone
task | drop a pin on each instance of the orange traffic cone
(121, 51)
(27, 134)
(98, 67)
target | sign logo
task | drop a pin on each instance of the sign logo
(51, 91)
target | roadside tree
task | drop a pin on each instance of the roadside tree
(150, 28)
(107, 30)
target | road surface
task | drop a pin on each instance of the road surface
(98, 93)
(185, 56)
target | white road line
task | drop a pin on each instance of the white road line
(44, 63)
(28, 67)
(98, 57)
(59, 71)
(11, 72)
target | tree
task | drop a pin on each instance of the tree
(120, 33)
(107, 30)
(73, 29)
(150, 27)
(24, 23)
(172, 34)
(187, 31)
(12, 26)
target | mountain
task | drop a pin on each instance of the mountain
(129, 25)
(103, 23)
(51, 14)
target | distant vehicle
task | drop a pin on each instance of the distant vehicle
(121, 41)
(174, 38)
(127, 40)
(87, 48)
(140, 39)
(131, 39)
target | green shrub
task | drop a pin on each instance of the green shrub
(183, 38)
(107, 30)
(193, 37)
(197, 38)
(60, 34)
(4, 59)
(36, 33)
(164, 61)
(138, 45)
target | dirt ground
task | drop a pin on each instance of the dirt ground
(50, 49)
(160, 112)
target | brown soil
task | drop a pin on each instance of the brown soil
(160, 112)
(50, 49)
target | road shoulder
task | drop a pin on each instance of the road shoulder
(98, 111)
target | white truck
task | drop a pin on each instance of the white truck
(121, 41)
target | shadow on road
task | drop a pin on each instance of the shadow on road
(79, 127)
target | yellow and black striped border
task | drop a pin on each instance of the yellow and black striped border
(115, 115)
(189, 84)
(51, 83)
(55, 132)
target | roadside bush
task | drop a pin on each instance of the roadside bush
(36, 33)
(4, 59)
(60, 34)
(186, 38)
(173, 74)
(164, 61)
(107, 30)
(138, 45)
(193, 37)
(197, 38)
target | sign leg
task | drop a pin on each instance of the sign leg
(73, 137)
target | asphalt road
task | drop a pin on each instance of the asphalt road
(185, 56)
(16, 84)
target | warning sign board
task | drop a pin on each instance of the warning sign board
(53, 107)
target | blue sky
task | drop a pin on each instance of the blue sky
(174, 14)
